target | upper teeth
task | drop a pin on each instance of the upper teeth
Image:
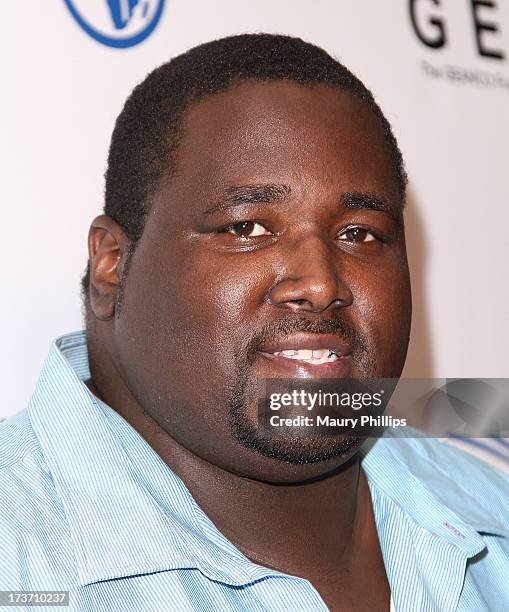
(314, 356)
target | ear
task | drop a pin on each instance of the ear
(107, 248)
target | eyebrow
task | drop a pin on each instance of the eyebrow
(362, 200)
(271, 193)
(250, 194)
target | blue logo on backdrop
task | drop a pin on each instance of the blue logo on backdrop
(117, 23)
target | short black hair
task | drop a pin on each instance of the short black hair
(147, 132)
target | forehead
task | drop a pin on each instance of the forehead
(313, 137)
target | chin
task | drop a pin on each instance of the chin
(285, 459)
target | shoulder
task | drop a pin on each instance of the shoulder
(17, 440)
(464, 483)
(24, 477)
(32, 519)
(459, 465)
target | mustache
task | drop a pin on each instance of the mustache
(278, 330)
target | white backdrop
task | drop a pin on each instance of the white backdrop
(62, 90)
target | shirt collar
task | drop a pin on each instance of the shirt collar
(451, 494)
(112, 482)
(437, 522)
(103, 469)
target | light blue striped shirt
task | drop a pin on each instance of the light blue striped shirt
(86, 505)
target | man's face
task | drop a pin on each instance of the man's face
(280, 233)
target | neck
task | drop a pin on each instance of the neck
(298, 529)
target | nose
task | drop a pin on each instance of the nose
(312, 282)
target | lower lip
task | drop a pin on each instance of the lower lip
(276, 366)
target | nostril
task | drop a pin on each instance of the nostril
(337, 302)
(309, 293)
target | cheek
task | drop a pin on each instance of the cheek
(177, 341)
(224, 293)
(382, 311)
(195, 309)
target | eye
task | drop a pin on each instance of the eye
(357, 234)
(248, 229)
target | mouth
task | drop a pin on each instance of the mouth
(307, 355)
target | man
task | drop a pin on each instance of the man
(253, 230)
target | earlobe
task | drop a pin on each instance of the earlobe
(107, 245)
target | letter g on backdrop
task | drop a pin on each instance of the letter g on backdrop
(117, 23)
